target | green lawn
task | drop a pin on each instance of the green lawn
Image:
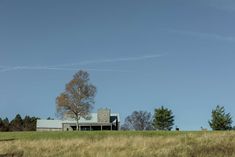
(88, 134)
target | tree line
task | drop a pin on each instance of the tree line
(18, 124)
(163, 119)
(78, 98)
(77, 101)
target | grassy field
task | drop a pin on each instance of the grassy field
(118, 144)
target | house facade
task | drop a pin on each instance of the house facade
(102, 120)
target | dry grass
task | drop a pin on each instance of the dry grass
(207, 144)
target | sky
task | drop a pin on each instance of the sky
(140, 55)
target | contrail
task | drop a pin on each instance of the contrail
(204, 35)
(62, 69)
(89, 62)
(71, 67)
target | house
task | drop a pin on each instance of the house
(102, 120)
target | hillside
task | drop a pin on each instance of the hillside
(117, 144)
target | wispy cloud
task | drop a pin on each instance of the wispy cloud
(101, 61)
(59, 69)
(225, 5)
(77, 66)
(204, 35)
(14, 68)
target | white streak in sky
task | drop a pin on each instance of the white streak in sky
(59, 69)
(72, 67)
(89, 62)
(204, 35)
(224, 5)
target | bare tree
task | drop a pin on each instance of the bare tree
(77, 99)
(138, 120)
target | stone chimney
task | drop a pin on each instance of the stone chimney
(103, 115)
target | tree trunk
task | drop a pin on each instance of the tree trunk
(77, 125)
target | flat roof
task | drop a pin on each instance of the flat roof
(43, 123)
(92, 120)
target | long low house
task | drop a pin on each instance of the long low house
(102, 120)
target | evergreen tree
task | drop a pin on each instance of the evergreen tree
(16, 124)
(29, 123)
(220, 120)
(1, 124)
(163, 119)
(49, 118)
(4, 124)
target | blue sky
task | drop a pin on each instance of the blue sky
(140, 55)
